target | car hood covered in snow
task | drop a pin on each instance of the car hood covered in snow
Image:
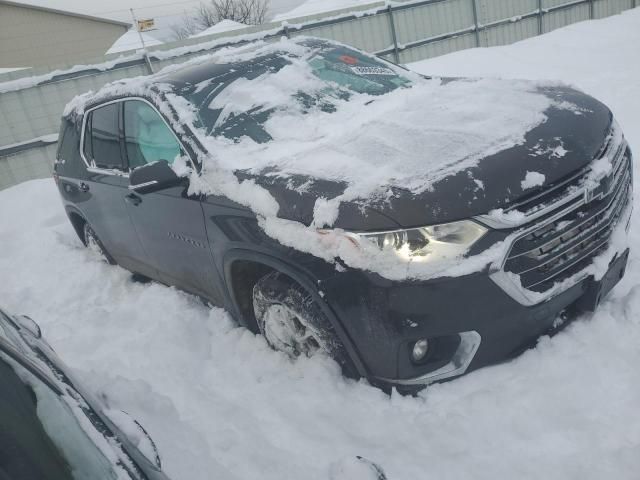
(438, 170)
(338, 138)
(571, 136)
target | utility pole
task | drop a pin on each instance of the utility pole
(144, 48)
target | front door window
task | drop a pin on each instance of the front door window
(148, 139)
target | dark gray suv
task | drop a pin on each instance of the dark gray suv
(117, 178)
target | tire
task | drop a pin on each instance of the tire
(292, 322)
(93, 243)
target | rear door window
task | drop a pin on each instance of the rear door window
(148, 139)
(102, 138)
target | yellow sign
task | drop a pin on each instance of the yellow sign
(144, 25)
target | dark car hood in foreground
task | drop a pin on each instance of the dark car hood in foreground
(570, 139)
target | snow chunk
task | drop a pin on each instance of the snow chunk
(532, 179)
(549, 150)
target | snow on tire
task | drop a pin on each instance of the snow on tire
(94, 244)
(292, 322)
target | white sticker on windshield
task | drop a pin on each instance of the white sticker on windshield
(373, 71)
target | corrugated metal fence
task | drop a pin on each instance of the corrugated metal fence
(31, 103)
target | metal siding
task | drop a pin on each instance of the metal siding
(27, 165)
(371, 33)
(33, 37)
(490, 11)
(606, 8)
(554, 3)
(431, 20)
(510, 32)
(435, 49)
(566, 16)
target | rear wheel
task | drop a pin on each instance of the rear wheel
(293, 323)
(94, 244)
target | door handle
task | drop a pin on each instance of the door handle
(133, 199)
(84, 187)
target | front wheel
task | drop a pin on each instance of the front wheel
(292, 322)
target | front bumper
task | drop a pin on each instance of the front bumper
(566, 252)
(383, 319)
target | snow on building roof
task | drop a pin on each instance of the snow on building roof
(220, 27)
(314, 7)
(131, 41)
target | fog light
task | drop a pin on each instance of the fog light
(420, 349)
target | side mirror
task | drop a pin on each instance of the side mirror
(26, 323)
(152, 177)
(136, 434)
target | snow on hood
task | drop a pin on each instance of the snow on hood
(410, 137)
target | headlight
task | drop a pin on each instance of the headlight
(427, 244)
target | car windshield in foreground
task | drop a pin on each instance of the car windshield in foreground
(246, 100)
(41, 437)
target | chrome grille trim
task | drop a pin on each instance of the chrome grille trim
(614, 148)
(616, 197)
(591, 220)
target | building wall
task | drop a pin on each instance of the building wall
(31, 38)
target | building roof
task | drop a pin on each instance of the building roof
(220, 27)
(130, 40)
(64, 12)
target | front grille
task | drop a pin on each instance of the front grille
(566, 239)
(565, 192)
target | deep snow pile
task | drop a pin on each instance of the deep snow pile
(220, 404)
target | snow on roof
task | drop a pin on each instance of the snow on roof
(131, 41)
(220, 27)
(314, 7)
(10, 69)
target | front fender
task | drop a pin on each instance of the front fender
(306, 278)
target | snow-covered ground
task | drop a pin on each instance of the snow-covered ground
(220, 404)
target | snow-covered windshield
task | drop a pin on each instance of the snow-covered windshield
(242, 106)
(356, 72)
